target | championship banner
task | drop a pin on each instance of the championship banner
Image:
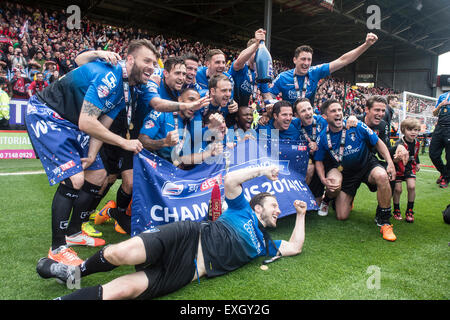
(163, 193)
(15, 144)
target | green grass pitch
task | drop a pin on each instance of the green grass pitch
(340, 259)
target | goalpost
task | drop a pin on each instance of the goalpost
(417, 106)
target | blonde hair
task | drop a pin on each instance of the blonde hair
(410, 124)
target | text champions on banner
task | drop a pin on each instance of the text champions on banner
(163, 193)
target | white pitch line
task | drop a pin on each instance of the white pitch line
(21, 173)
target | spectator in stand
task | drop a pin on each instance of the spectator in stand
(37, 85)
(19, 84)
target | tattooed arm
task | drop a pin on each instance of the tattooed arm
(89, 123)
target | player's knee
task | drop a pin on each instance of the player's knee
(342, 216)
(411, 188)
(127, 289)
(381, 178)
(116, 254)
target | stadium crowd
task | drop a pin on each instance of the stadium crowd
(169, 84)
(35, 40)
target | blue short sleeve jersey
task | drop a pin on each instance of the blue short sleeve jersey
(96, 82)
(319, 122)
(158, 124)
(244, 82)
(284, 83)
(161, 91)
(267, 131)
(202, 79)
(242, 219)
(356, 151)
(444, 112)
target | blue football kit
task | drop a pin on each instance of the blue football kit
(285, 83)
(356, 153)
(234, 239)
(270, 132)
(52, 116)
(158, 124)
(244, 84)
(202, 79)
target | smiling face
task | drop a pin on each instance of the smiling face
(334, 116)
(140, 65)
(221, 94)
(302, 62)
(216, 65)
(282, 120)
(305, 112)
(176, 77)
(375, 114)
(191, 71)
(268, 212)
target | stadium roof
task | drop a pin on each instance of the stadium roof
(407, 26)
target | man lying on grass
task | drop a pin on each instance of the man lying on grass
(173, 255)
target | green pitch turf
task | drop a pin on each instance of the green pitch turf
(340, 259)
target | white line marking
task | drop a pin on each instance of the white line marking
(21, 173)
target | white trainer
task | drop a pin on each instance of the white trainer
(323, 210)
(82, 239)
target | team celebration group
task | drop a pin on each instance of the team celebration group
(87, 126)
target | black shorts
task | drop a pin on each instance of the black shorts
(171, 251)
(115, 159)
(316, 186)
(351, 179)
(408, 174)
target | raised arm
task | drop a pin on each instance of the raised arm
(233, 180)
(352, 55)
(88, 56)
(295, 244)
(247, 53)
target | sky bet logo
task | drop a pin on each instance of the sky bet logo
(190, 188)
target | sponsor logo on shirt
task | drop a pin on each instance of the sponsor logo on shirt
(102, 91)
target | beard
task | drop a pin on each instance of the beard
(136, 75)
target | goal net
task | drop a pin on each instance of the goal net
(417, 106)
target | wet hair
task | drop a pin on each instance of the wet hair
(259, 199)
